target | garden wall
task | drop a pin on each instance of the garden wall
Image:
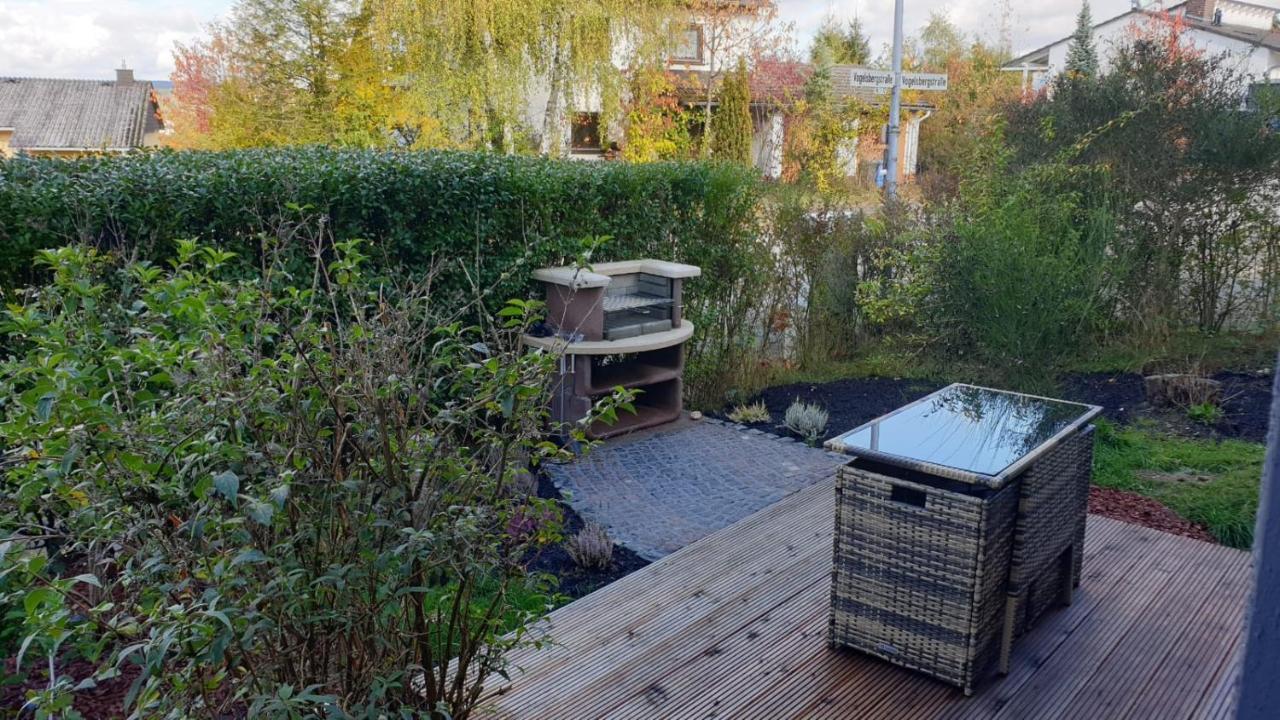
(485, 209)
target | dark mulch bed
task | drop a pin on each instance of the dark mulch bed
(849, 403)
(1246, 402)
(99, 703)
(574, 581)
(1140, 510)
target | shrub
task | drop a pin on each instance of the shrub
(1021, 276)
(504, 215)
(756, 412)
(277, 496)
(806, 420)
(591, 548)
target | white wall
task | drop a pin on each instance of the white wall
(1252, 60)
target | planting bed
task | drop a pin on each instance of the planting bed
(574, 581)
(1246, 401)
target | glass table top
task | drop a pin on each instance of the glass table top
(973, 429)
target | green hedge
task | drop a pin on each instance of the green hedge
(413, 207)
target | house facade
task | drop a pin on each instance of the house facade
(1249, 32)
(704, 47)
(69, 118)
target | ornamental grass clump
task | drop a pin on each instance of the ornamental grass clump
(591, 548)
(806, 420)
(756, 412)
(276, 496)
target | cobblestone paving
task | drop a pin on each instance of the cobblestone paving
(661, 491)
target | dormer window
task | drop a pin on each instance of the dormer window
(688, 44)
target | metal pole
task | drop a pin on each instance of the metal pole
(895, 108)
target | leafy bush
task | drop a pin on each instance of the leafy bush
(1021, 278)
(1194, 175)
(806, 420)
(590, 547)
(280, 496)
(756, 412)
(506, 215)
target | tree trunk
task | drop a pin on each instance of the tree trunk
(552, 142)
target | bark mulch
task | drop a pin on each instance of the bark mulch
(1140, 510)
(104, 702)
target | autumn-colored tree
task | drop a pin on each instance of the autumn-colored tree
(472, 64)
(657, 125)
(199, 68)
(978, 91)
(731, 128)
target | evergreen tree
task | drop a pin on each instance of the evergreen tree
(1082, 57)
(731, 126)
(841, 45)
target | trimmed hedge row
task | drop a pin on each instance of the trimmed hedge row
(414, 207)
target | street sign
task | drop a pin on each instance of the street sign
(882, 80)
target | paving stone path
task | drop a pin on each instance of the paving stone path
(659, 491)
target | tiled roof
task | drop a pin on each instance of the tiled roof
(76, 114)
(778, 82)
(1269, 39)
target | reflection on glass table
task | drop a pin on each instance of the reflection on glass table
(969, 429)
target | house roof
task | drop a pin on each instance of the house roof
(59, 114)
(1269, 39)
(777, 82)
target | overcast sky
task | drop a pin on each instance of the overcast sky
(88, 38)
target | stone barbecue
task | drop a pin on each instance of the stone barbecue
(617, 324)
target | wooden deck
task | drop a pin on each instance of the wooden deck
(733, 626)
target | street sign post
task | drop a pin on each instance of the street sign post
(872, 79)
(895, 108)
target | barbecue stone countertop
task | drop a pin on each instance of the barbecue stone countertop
(601, 274)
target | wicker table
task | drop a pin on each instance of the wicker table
(959, 519)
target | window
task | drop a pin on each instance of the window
(585, 135)
(688, 44)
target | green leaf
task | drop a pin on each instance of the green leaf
(260, 512)
(44, 407)
(250, 556)
(227, 484)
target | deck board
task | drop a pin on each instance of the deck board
(734, 625)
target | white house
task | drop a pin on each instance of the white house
(705, 45)
(1248, 31)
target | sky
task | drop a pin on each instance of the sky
(89, 38)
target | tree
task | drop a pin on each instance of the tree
(657, 125)
(731, 30)
(731, 122)
(1194, 175)
(1082, 57)
(839, 44)
(963, 115)
(199, 68)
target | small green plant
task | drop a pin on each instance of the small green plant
(591, 548)
(756, 412)
(1205, 413)
(806, 420)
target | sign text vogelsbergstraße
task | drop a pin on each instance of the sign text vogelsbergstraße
(870, 79)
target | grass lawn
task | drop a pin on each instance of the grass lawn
(1212, 482)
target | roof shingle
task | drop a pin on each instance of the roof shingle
(76, 114)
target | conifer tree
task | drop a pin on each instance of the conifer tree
(1082, 57)
(731, 123)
